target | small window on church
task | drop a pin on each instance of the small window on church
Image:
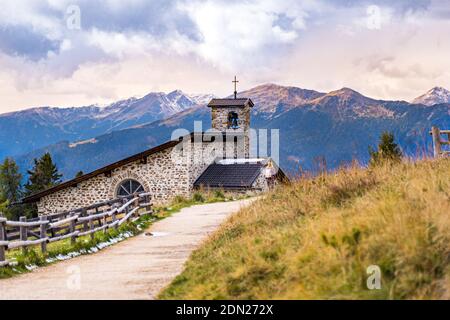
(129, 187)
(233, 120)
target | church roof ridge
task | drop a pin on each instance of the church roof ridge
(231, 102)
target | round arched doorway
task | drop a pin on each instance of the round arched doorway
(129, 187)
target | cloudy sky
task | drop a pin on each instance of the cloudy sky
(72, 53)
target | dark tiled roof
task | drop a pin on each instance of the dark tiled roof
(237, 175)
(239, 102)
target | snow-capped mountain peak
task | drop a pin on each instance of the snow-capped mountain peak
(434, 96)
(202, 98)
(41, 126)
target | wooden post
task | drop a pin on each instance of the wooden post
(52, 230)
(136, 204)
(73, 239)
(114, 217)
(2, 238)
(148, 209)
(105, 222)
(436, 141)
(92, 227)
(23, 233)
(43, 234)
(127, 208)
(85, 224)
(99, 220)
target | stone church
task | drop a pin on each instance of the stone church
(217, 158)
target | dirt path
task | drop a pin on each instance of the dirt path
(137, 268)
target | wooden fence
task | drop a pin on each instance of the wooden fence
(70, 224)
(438, 142)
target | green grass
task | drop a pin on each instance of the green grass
(315, 239)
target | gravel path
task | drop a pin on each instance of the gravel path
(137, 268)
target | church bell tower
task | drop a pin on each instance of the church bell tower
(232, 117)
(231, 114)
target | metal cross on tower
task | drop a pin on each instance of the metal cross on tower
(235, 82)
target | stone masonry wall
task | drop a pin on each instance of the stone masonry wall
(261, 182)
(219, 121)
(219, 117)
(160, 176)
(166, 174)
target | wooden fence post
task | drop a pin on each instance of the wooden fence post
(114, 217)
(23, 233)
(2, 238)
(73, 238)
(436, 141)
(43, 234)
(99, 220)
(136, 204)
(127, 208)
(92, 227)
(148, 208)
(105, 220)
(85, 224)
(144, 202)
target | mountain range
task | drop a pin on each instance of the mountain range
(38, 127)
(315, 127)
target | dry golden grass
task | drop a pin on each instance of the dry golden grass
(315, 239)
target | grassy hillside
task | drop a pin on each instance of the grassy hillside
(315, 239)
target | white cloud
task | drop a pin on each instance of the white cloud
(399, 61)
(130, 48)
(120, 44)
(236, 35)
(28, 13)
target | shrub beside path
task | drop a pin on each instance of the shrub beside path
(137, 268)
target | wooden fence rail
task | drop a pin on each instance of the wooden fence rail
(438, 142)
(71, 224)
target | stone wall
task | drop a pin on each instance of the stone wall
(219, 121)
(261, 182)
(164, 175)
(219, 117)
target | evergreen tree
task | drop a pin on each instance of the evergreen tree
(10, 188)
(79, 174)
(4, 208)
(43, 175)
(10, 180)
(388, 150)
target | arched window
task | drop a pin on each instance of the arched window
(129, 187)
(233, 120)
